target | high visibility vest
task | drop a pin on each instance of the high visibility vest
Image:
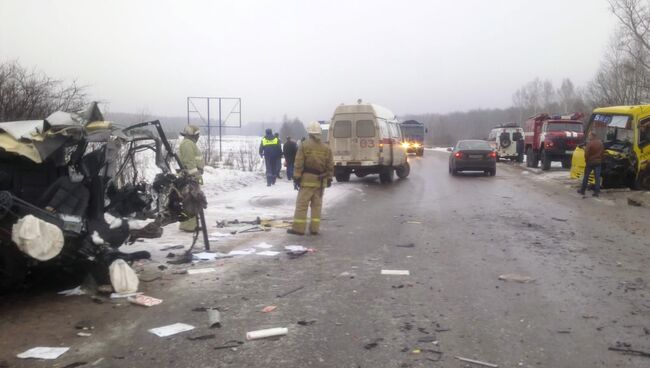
(269, 142)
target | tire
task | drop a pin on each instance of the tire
(387, 175)
(493, 172)
(546, 161)
(13, 267)
(566, 163)
(343, 177)
(403, 171)
(531, 158)
(420, 152)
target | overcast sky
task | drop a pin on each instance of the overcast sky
(303, 58)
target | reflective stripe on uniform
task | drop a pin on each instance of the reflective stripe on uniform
(269, 142)
(299, 221)
(315, 220)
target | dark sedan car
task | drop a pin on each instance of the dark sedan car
(473, 155)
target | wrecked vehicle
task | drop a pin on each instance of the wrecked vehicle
(70, 195)
(625, 132)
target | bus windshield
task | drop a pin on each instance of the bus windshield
(611, 127)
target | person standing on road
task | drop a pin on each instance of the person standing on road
(279, 164)
(314, 168)
(290, 149)
(594, 151)
(192, 160)
(271, 151)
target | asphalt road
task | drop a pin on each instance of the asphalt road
(455, 235)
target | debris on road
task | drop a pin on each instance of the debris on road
(84, 325)
(269, 309)
(626, 348)
(297, 250)
(307, 322)
(196, 271)
(373, 343)
(427, 339)
(264, 245)
(202, 337)
(396, 272)
(73, 292)
(440, 328)
(229, 345)
(268, 253)
(172, 247)
(242, 252)
(75, 365)
(564, 331)
(214, 317)
(169, 330)
(290, 291)
(84, 334)
(269, 332)
(409, 245)
(477, 362)
(559, 219)
(187, 257)
(42, 352)
(516, 278)
(123, 278)
(145, 301)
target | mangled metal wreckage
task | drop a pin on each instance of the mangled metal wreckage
(70, 196)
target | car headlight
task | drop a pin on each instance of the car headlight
(405, 144)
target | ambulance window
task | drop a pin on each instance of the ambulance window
(392, 130)
(343, 129)
(365, 128)
(644, 132)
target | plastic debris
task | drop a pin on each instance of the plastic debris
(269, 309)
(42, 353)
(270, 332)
(396, 272)
(145, 301)
(196, 271)
(123, 278)
(169, 330)
(516, 278)
(477, 362)
(73, 292)
(214, 317)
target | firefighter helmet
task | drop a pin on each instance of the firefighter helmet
(191, 131)
(314, 128)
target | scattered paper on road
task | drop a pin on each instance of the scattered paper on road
(396, 272)
(42, 353)
(207, 256)
(217, 234)
(270, 308)
(269, 253)
(242, 252)
(72, 292)
(295, 248)
(169, 330)
(145, 301)
(264, 245)
(195, 271)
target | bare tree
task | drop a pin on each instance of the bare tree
(28, 94)
(634, 17)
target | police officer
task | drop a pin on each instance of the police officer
(192, 160)
(271, 150)
(314, 168)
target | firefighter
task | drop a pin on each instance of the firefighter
(271, 150)
(314, 168)
(192, 160)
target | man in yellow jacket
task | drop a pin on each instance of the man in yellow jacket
(313, 171)
(192, 160)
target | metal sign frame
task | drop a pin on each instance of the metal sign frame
(208, 124)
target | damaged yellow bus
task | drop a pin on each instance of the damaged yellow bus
(625, 132)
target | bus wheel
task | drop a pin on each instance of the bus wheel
(343, 177)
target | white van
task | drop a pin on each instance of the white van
(504, 138)
(366, 139)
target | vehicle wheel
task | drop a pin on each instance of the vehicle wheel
(493, 172)
(546, 161)
(420, 152)
(403, 171)
(387, 175)
(531, 158)
(13, 267)
(343, 177)
(566, 163)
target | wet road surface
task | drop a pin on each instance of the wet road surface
(455, 235)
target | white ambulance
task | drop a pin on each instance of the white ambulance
(366, 139)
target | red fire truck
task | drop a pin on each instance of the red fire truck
(552, 138)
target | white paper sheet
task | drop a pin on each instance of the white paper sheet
(268, 253)
(264, 245)
(396, 272)
(43, 353)
(220, 235)
(295, 248)
(171, 329)
(242, 252)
